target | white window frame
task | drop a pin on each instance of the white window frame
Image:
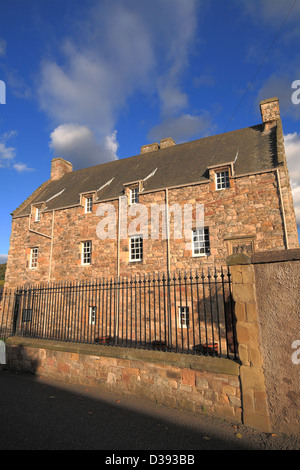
(34, 254)
(136, 248)
(88, 204)
(38, 211)
(134, 196)
(92, 314)
(86, 253)
(222, 180)
(201, 246)
(184, 316)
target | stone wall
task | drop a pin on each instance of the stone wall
(279, 314)
(201, 384)
(266, 294)
(246, 216)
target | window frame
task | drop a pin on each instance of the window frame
(88, 205)
(38, 211)
(92, 315)
(138, 249)
(134, 196)
(225, 174)
(86, 254)
(205, 240)
(184, 316)
(34, 255)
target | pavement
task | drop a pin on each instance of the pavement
(38, 414)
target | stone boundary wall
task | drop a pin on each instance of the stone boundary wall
(279, 321)
(200, 384)
(266, 290)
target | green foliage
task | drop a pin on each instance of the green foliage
(2, 271)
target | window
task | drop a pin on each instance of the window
(92, 315)
(201, 242)
(134, 196)
(136, 248)
(88, 204)
(222, 180)
(86, 253)
(26, 314)
(37, 214)
(183, 317)
(34, 258)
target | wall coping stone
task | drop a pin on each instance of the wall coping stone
(264, 257)
(275, 256)
(203, 363)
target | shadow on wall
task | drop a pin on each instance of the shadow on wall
(45, 415)
(17, 359)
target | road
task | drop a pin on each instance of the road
(39, 414)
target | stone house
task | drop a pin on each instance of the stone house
(239, 178)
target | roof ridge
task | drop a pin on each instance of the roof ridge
(167, 149)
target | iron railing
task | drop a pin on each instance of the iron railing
(190, 312)
(7, 300)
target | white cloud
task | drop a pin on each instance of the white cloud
(280, 84)
(22, 167)
(78, 144)
(272, 11)
(117, 49)
(8, 154)
(292, 147)
(182, 128)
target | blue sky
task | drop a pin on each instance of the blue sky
(94, 80)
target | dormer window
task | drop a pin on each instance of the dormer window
(88, 204)
(134, 196)
(38, 211)
(222, 180)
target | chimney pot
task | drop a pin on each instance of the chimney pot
(59, 167)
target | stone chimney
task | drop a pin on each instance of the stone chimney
(168, 142)
(150, 148)
(270, 112)
(59, 167)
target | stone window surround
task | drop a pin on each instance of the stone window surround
(84, 198)
(34, 257)
(207, 253)
(88, 253)
(36, 211)
(224, 184)
(140, 248)
(226, 167)
(134, 195)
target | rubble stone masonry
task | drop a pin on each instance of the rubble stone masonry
(252, 216)
(199, 384)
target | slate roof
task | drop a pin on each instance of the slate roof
(182, 164)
